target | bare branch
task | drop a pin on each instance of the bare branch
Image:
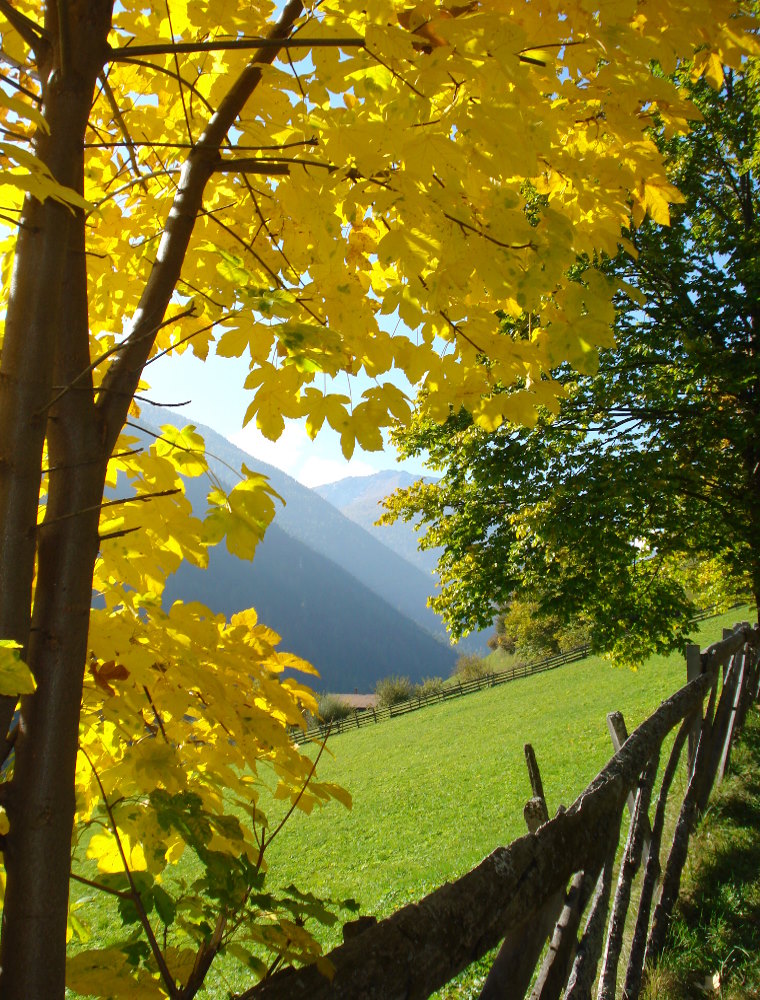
(22, 90)
(179, 78)
(253, 165)
(119, 118)
(181, 81)
(124, 374)
(169, 982)
(140, 498)
(121, 893)
(232, 44)
(113, 350)
(30, 31)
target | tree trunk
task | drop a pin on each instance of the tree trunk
(46, 345)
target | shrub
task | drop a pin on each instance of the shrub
(392, 690)
(429, 686)
(332, 708)
(469, 667)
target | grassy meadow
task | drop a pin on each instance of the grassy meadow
(436, 790)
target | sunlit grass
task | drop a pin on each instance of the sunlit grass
(437, 790)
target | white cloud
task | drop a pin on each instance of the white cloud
(287, 453)
(315, 470)
(310, 462)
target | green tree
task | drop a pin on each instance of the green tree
(650, 467)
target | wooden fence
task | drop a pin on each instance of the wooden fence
(540, 886)
(370, 716)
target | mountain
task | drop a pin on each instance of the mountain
(324, 614)
(359, 498)
(340, 598)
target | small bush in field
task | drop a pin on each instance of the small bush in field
(428, 687)
(469, 667)
(332, 708)
(392, 690)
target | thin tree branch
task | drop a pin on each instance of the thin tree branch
(265, 842)
(30, 31)
(22, 90)
(119, 118)
(169, 982)
(124, 374)
(253, 165)
(156, 713)
(191, 145)
(485, 236)
(142, 498)
(233, 44)
(176, 67)
(118, 534)
(180, 80)
(121, 893)
(113, 350)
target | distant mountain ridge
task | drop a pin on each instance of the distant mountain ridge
(359, 498)
(338, 596)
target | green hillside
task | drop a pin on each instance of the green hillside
(437, 790)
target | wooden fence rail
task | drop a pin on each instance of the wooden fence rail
(539, 887)
(369, 717)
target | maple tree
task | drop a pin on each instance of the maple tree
(175, 175)
(638, 501)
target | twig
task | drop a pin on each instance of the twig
(169, 983)
(22, 90)
(119, 117)
(253, 165)
(117, 534)
(113, 350)
(266, 842)
(157, 714)
(393, 73)
(233, 44)
(30, 31)
(181, 81)
(176, 67)
(491, 239)
(140, 498)
(121, 893)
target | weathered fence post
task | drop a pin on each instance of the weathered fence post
(618, 735)
(635, 969)
(693, 669)
(590, 947)
(629, 866)
(512, 969)
(556, 966)
(687, 817)
(740, 664)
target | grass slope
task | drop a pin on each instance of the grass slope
(437, 790)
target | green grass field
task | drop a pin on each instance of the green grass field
(437, 790)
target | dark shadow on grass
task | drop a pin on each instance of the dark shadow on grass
(717, 922)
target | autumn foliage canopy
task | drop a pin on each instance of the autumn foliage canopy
(349, 189)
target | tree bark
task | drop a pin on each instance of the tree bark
(47, 340)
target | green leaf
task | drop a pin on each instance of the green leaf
(165, 906)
